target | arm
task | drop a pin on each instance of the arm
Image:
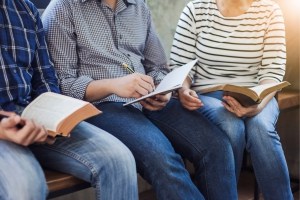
(155, 61)
(183, 51)
(58, 22)
(184, 43)
(44, 78)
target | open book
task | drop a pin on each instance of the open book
(59, 114)
(248, 96)
(172, 81)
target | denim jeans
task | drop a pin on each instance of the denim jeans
(95, 156)
(261, 140)
(202, 143)
(155, 157)
(21, 176)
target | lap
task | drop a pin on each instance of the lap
(84, 153)
(189, 131)
(135, 130)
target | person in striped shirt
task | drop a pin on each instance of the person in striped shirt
(238, 42)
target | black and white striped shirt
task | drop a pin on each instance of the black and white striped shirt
(89, 41)
(240, 50)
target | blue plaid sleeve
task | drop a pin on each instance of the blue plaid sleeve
(44, 76)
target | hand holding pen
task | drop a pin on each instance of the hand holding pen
(133, 85)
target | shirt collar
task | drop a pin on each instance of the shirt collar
(126, 1)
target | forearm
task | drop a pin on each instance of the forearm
(99, 89)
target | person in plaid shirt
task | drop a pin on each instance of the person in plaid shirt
(90, 153)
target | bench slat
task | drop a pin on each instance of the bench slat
(288, 99)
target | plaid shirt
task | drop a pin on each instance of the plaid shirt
(26, 70)
(89, 41)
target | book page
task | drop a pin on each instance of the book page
(260, 88)
(49, 109)
(171, 81)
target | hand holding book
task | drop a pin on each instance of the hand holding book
(247, 96)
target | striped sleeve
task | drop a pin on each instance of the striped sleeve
(184, 42)
(274, 53)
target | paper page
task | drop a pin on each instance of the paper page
(49, 109)
(260, 88)
(171, 81)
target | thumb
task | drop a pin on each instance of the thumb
(193, 94)
(10, 122)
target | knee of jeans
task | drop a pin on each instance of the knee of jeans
(119, 160)
(260, 131)
(233, 127)
(24, 185)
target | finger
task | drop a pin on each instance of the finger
(50, 140)
(193, 94)
(7, 113)
(10, 122)
(148, 79)
(31, 136)
(192, 97)
(146, 86)
(41, 136)
(155, 103)
(191, 108)
(227, 107)
(141, 91)
(163, 97)
(147, 105)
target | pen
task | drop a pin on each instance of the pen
(129, 68)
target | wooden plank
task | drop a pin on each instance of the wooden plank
(58, 181)
(288, 99)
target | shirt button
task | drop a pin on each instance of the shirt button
(120, 37)
(5, 48)
(15, 71)
(128, 55)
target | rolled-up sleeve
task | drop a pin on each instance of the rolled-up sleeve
(61, 38)
(155, 60)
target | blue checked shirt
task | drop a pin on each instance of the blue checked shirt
(89, 41)
(26, 70)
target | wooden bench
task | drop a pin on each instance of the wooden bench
(61, 184)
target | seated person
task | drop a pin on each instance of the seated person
(90, 153)
(237, 42)
(89, 42)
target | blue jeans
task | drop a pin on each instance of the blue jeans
(261, 140)
(156, 159)
(89, 154)
(202, 143)
(21, 176)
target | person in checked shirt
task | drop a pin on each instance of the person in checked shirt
(107, 52)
